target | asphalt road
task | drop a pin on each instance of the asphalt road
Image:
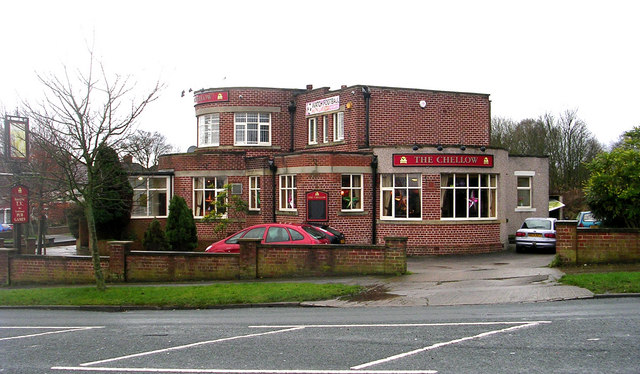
(577, 336)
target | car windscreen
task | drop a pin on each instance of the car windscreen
(315, 233)
(540, 224)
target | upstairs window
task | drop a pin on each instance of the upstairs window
(325, 129)
(209, 130)
(338, 126)
(313, 131)
(253, 129)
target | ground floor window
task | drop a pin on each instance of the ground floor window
(205, 194)
(401, 196)
(150, 196)
(351, 192)
(468, 196)
(254, 193)
(288, 192)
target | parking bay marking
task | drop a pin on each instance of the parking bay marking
(64, 329)
(287, 328)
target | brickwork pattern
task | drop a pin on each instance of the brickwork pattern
(596, 246)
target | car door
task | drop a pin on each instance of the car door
(277, 234)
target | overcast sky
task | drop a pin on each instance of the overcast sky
(532, 57)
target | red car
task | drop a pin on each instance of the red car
(276, 233)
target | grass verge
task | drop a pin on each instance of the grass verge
(601, 283)
(177, 296)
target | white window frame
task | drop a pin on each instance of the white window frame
(242, 132)
(313, 130)
(325, 129)
(209, 130)
(202, 203)
(142, 186)
(254, 193)
(461, 182)
(350, 192)
(338, 126)
(528, 175)
(402, 186)
(287, 193)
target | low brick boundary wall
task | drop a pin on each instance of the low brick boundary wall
(254, 261)
(576, 245)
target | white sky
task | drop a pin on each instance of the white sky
(532, 57)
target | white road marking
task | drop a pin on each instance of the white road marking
(404, 324)
(167, 370)
(64, 329)
(188, 346)
(438, 345)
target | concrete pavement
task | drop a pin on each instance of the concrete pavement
(494, 278)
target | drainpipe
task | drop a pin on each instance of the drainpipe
(367, 95)
(273, 168)
(292, 112)
(374, 203)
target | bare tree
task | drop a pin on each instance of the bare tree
(146, 147)
(79, 114)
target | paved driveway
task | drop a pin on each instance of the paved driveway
(494, 278)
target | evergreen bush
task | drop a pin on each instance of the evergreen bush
(181, 228)
(155, 238)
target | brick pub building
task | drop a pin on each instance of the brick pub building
(370, 161)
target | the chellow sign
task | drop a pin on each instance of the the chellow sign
(439, 159)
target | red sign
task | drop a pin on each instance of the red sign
(211, 97)
(440, 159)
(317, 206)
(19, 204)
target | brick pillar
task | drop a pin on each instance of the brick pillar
(4, 267)
(118, 260)
(395, 255)
(248, 259)
(567, 241)
(30, 247)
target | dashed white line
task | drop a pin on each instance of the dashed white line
(64, 329)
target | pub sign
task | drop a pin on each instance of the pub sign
(19, 204)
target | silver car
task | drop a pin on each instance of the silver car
(536, 233)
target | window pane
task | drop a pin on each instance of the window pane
(400, 180)
(414, 180)
(415, 204)
(265, 117)
(241, 117)
(523, 181)
(346, 181)
(401, 204)
(356, 199)
(357, 180)
(139, 204)
(240, 138)
(277, 234)
(524, 198)
(473, 180)
(264, 134)
(252, 117)
(295, 235)
(447, 203)
(158, 183)
(387, 201)
(447, 180)
(461, 180)
(387, 180)
(257, 233)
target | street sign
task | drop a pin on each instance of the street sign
(19, 204)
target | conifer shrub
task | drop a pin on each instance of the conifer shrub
(181, 228)
(155, 238)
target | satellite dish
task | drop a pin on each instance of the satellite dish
(191, 149)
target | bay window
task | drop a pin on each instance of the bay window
(252, 129)
(209, 130)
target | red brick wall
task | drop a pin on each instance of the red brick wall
(596, 246)
(253, 261)
(31, 269)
